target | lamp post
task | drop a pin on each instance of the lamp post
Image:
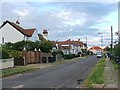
(101, 39)
(40, 60)
(35, 55)
(111, 40)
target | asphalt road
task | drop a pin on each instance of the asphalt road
(61, 76)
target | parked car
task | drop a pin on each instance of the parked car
(99, 55)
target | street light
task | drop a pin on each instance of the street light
(101, 38)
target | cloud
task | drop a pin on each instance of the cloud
(64, 20)
(21, 12)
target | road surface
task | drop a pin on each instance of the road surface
(60, 76)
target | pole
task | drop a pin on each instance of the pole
(101, 38)
(111, 39)
(86, 42)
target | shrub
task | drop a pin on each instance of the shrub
(69, 56)
(4, 54)
(15, 53)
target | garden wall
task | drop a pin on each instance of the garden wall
(6, 63)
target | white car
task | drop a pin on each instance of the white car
(99, 55)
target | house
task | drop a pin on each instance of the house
(44, 36)
(95, 49)
(106, 48)
(71, 46)
(13, 32)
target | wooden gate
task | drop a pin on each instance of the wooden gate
(30, 57)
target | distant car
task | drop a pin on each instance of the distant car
(99, 55)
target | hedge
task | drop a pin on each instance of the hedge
(69, 56)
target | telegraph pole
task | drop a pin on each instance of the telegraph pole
(86, 42)
(111, 39)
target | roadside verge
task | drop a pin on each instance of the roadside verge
(103, 75)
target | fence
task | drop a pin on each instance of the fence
(32, 57)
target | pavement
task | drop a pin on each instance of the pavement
(60, 76)
(111, 75)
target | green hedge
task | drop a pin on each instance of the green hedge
(4, 54)
(69, 56)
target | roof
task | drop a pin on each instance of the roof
(26, 32)
(71, 42)
(41, 37)
(63, 47)
(105, 48)
(95, 48)
(66, 47)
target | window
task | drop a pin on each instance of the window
(3, 40)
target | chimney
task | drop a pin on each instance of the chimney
(45, 34)
(79, 40)
(69, 40)
(17, 22)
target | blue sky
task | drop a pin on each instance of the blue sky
(66, 20)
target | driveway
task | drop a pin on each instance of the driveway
(60, 76)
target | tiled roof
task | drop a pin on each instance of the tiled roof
(71, 42)
(41, 37)
(26, 32)
(95, 48)
(105, 48)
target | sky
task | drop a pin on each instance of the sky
(65, 20)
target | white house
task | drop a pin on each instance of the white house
(71, 47)
(11, 32)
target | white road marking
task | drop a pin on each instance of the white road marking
(78, 87)
(18, 86)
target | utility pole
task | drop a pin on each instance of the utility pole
(101, 38)
(86, 42)
(111, 39)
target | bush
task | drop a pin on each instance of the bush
(15, 53)
(69, 56)
(4, 54)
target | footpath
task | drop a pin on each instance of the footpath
(110, 75)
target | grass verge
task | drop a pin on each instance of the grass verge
(15, 70)
(97, 75)
(116, 66)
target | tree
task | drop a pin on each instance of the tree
(117, 46)
(46, 46)
(29, 45)
(117, 50)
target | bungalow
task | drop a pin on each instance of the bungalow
(11, 32)
(71, 47)
(95, 49)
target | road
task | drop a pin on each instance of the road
(60, 76)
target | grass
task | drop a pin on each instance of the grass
(116, 66)
(97, 75)
(15, 70)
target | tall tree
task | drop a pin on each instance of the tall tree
(46, 46)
